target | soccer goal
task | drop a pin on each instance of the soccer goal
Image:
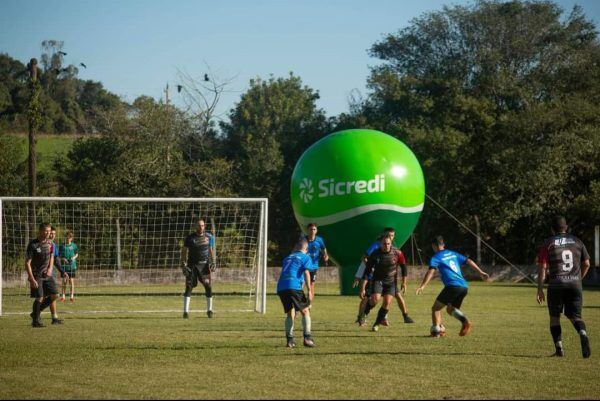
(129, 252)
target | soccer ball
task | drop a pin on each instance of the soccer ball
(437, 331)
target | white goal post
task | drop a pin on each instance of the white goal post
(129, 251)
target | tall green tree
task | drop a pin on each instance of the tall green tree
(500, 101)
(267, 132)
(131, 155)
(13, 179)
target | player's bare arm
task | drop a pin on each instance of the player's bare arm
(425, 281)
(183, 259)
(474, 265)
(30, 277)
(585, 266)
(307, 283)
(541, 277)
(325, 257)
(363, 289)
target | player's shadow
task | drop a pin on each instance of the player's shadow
(176, 347)
(415, 353)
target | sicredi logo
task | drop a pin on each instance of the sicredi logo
(331, 187)
(306, 190)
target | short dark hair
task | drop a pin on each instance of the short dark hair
(389, 230)
(43, 226)
(437, 240)
(559, 224)
(385, 236)
(52, 228)
(300, 244)
(309, 225)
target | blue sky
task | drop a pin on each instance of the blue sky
(136, 47)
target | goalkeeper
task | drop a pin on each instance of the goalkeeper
(197, 264)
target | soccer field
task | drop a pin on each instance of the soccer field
(243, 355)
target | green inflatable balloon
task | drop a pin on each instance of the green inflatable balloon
(353, 184)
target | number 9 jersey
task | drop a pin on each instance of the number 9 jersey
(563, 254)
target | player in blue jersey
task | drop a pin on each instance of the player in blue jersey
(197, 264)
(455, 290)
(295, 272)
(316, 246)
(400, 290)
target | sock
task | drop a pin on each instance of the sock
(556, 332)
(289, 327)
(45, 304)
(209, 303)
(55, 315)
(580, 327)
(186, 304)
(368, 308)
(381, 315)
(306, 325)
(36, 310)
(456, 313)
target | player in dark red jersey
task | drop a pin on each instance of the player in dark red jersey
(382, 265)
(567, 261)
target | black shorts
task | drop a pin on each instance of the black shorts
(72, 274)
(453, 295)
(197, 273)
(383, 287)
(567, 299)
(293, 299)
(313, 275)
(46, 287)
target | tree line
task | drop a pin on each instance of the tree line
(500, 102)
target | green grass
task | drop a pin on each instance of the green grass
(242, 355)
(48, 148)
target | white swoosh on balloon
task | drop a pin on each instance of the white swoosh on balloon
(357, 211)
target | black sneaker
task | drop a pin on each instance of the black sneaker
(56, 321)
(209, 313)
(559, 353)
(290, 342)
(186, 315)
(407, 319)
(37, 324)
(309, 342)
(585, 347)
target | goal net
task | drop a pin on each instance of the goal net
(129, 252)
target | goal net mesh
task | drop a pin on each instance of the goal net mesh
(129, 252)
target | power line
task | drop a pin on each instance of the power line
(481, 239)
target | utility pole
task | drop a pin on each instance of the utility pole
(167, 94)
(33, 114)
(478, 236)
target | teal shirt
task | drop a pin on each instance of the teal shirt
(68, 252)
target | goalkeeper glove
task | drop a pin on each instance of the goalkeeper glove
(184, 269)
(212, 265)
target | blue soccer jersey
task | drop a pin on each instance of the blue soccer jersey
(448, 264)
(374, 246)
(292, 271)
(314, 251)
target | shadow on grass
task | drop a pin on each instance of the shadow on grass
(409, 353)
(175, 347)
